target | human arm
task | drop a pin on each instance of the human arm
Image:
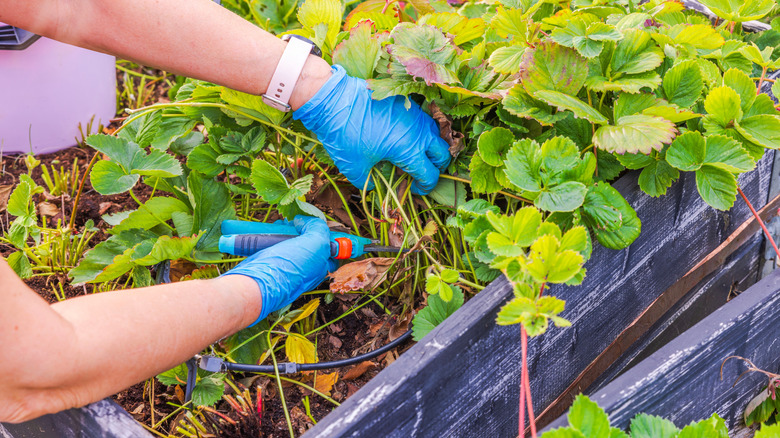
(200, 39)
(83, 349)
(195, 38)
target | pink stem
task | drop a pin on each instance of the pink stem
(527, 382)
(760, 222)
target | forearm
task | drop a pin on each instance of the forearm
(96, 345)
(195, 38)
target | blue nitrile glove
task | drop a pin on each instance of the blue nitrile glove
(290, 268)
(358, 132)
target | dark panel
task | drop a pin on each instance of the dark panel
(463, 378)
(738, 273)
(104, 419)
(681, 380)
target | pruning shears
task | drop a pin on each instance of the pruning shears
(244, 238)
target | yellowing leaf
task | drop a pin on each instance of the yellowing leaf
(300, 314)
(300, 349)
(359, 53)
(324, 382)
(633, 134)
(313, 13)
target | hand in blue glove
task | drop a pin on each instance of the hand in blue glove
(358, 132)
(290, 268)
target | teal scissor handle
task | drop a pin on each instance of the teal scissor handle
(244, 227)
(244, 238)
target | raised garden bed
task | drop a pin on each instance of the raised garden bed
(468, 368)
(662, 383)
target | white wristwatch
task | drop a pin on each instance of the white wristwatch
(288, 71)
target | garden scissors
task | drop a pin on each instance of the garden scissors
(244, 238)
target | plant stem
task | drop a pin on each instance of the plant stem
(527, 382)
(760, 222)
(468, 181)
(761, 81)
(81, 189)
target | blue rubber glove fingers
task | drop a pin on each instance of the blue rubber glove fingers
(286, 270)
(358, 132)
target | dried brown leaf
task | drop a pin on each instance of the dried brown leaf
(48, 209)
(5, 193)
(180, 268)
(363, 274)
(400, 327)
(335, 342)
(325, 382)
(451, 136)
(359, 369)
(104, 207)
(179, 393)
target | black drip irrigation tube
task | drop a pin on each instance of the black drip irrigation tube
(217, 365)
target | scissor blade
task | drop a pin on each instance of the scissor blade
(381, 248)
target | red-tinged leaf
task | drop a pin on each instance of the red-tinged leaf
(425, 53)
(553, 67)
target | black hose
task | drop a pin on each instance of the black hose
(294, 368)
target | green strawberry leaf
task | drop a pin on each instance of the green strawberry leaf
(717, 187)
(657, 177)
(493, 145)
(506, 60)
(723, 106)
(483, 176)
(566, 102)
(739, 11)
(151, 213)
(587, 417)
(567, 196)
(651, 426)
(727, 154)
(523, 162)
(435, 313)
(636, 53)
(762, 129)
(612, 219)
(519, 103)
(687, 151)
(683, 84)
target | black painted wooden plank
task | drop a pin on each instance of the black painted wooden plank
(462, 380)
(739, 272)
(103, 419)
(681, 380)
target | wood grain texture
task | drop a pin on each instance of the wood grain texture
(681, 380)
(103, 419)
(463, 378)
(738, 273)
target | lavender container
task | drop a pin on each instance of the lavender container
(47, 89)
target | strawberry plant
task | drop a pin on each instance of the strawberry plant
(588, 420)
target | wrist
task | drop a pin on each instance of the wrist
(314, 75)
(248, 292)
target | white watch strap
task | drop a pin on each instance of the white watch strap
(288, 70)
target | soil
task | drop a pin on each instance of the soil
(150, 401)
